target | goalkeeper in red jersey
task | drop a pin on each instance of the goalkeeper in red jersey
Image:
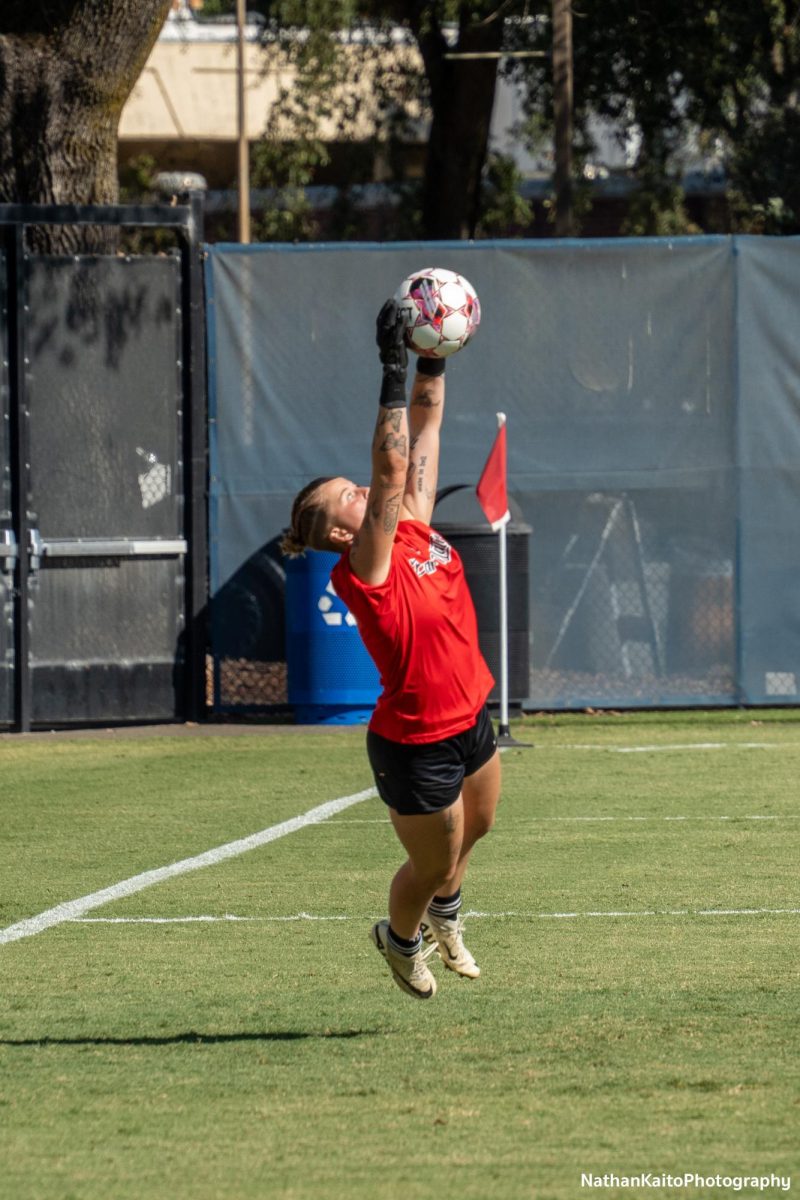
(430, 741)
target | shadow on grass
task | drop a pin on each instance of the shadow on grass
(192, 1038)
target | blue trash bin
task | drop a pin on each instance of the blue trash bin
(331, 678)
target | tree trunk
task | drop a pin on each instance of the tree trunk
(66, 70)
(462, 97)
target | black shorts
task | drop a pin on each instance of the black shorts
(414, 779)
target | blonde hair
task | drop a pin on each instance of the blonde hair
(308, 528)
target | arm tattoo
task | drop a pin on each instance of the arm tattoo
(425, 398)
(421, 473)
(391, 416)
(391, 512)
(395, 441)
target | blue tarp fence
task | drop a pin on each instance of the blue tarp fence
(652, 389)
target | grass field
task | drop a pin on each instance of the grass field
(636, 918)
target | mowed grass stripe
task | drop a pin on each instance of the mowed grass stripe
(210, 858)
(80, 815)
(624, 862)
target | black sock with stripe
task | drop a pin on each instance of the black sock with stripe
(446, 907)
(404, 945)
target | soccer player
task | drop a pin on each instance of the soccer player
(430, 741)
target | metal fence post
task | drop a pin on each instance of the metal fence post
(195, 476)
(20, 467)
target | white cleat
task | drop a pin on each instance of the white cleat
(447, 937)
(410, 972)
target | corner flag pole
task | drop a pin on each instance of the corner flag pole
(493, 498)
(503, 730)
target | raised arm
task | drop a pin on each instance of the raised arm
(425, 422)
(371, 552)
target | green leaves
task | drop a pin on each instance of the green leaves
(681, 81)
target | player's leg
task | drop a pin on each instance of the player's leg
(442, 924)
(481, 795)
(421, 786)
(433, 844)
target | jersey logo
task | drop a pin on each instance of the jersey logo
(438, 553)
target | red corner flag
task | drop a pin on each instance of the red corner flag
(491, 489)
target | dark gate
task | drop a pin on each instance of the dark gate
(8, 549)
(102, 476)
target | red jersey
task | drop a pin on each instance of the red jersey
(420, 629)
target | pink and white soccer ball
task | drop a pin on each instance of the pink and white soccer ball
(441, 309)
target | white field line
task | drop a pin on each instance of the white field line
(471, 915)
(742, 817)
(137, 883)
(690, 817)
(648, 912)
(225, 918)
(667, 912)
(670, 746)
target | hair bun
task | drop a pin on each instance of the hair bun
(291, 545)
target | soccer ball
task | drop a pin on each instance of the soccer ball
(441, 310)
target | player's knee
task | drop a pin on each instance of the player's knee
(445, 884)
(480, 823)
(437, 877)
(484, 823)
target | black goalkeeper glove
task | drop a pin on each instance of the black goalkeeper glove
(390, 336)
